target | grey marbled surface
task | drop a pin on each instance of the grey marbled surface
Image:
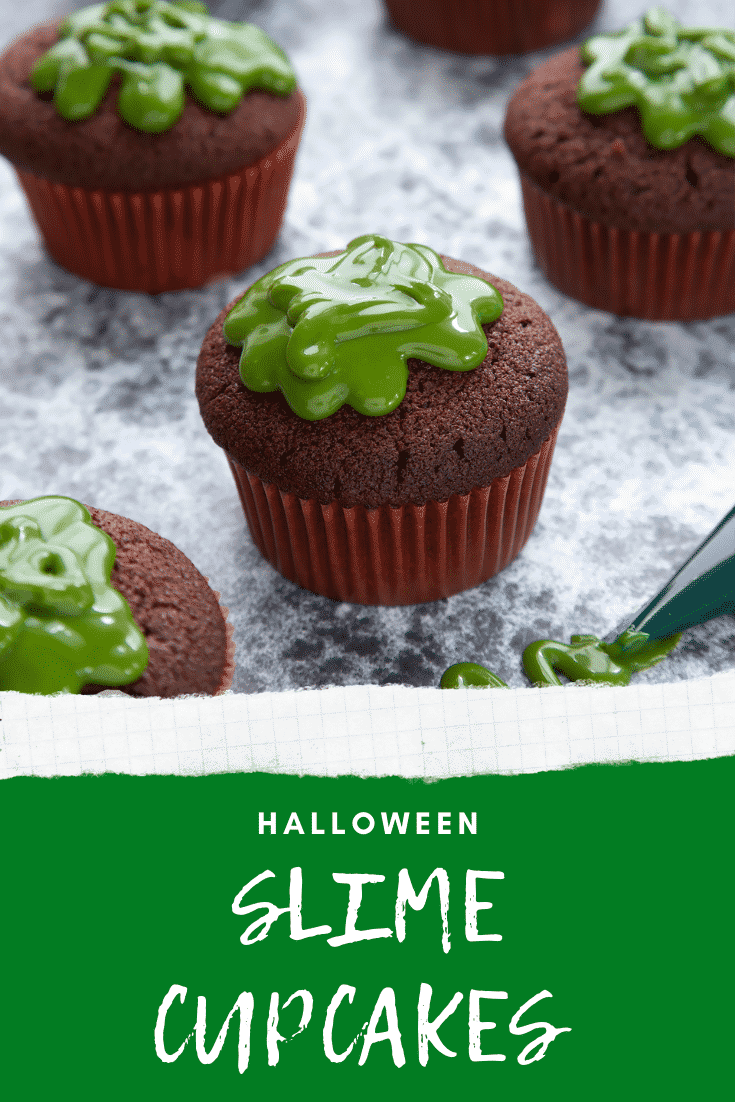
(96, 386)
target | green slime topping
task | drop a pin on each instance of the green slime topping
(62, 625)
(157, 47)
(682, 80)
(330, 330)
(470, 675)
(587, 658)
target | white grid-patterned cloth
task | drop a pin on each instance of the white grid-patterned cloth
(369, 730)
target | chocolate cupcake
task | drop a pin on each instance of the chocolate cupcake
(90, 600)
(626, 153)
(155, 144)
(391, 422)
(492, 26)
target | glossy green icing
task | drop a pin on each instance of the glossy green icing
(682, 80)
(330, 330)
(62, 624)
(470, 675)
(587, 658)
(157, 47)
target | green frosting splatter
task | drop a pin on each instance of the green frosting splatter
(62, 625)
(586, 659)
(470, 675)
(589, 659)
(157, 47)
(330, 330)
(682, 80)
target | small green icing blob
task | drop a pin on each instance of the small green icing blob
(470, 675)
(157, 47)
(682, 80)
(589, 659)
(330, 330)
(62, 624)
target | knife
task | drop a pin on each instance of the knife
(704, 587)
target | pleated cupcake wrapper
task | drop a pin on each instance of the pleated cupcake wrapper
(491, 26)
(168, 239)
(657, 276)
(396, 555)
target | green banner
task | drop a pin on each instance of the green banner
(561, 935)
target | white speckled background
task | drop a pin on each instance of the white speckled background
(96, 386)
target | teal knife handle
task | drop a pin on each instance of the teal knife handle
(704, 587)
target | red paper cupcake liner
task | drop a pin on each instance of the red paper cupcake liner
(492, 26)
(169, 239)
(396, 555)
(656, 276)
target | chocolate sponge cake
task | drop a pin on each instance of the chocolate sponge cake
(189, 641)
(603, 166)
(427, 500)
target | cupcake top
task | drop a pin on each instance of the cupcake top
(331, 330)
(454, 430)
(579, 127)
(157, 46)
(141, 94)
(90, 600)
(681, 79)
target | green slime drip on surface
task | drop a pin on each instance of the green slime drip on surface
(682, 80)
(470, 675)
(586, 658)
(62, 624)
(157, 47)
(330, 330)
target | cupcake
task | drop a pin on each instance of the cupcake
(389, 416)
(626, 154)
(492, 26)
(90, 600)
(155, 144)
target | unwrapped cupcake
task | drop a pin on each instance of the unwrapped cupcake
(389, 416)
(155, 144)
(626, 153)
(91, 600)
(492, 26)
